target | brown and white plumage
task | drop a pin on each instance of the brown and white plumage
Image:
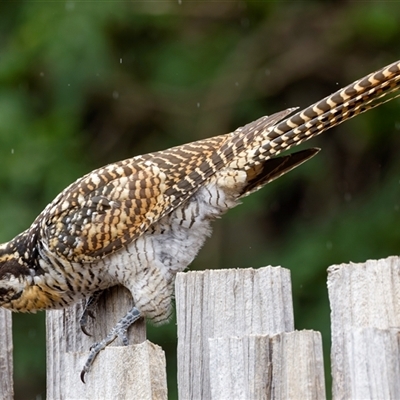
(139, 221)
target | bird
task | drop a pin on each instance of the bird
(140, 221)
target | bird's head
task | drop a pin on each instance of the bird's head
(24, 285)
(13, 278)
(15, 274)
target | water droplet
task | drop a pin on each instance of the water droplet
(198, 105)
(12, 151)
(120, 60)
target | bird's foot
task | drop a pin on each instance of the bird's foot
(119, 330)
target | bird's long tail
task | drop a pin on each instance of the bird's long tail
(269, 136)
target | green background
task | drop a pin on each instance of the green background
(85, 83)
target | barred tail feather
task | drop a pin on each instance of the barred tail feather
(356, 98)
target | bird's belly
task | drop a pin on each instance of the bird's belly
(148, 265)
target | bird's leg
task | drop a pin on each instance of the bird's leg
(89, 311)
(118, 331)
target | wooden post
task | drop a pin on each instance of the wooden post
(222, 303)
(365, 361)
(134, 371)
(373, 357)
(288, 365)
(6, 356)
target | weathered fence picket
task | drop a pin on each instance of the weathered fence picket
(287, 365)
(6, 356)
(223, 303)
(365, 320)
(236, 339)
(137, 371)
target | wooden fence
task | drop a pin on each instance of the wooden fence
(236, 340)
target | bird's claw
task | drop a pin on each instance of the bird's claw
(120, 330)
(95, 348)
(88, 312)
(83, 321)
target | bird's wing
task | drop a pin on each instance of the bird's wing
(113, 205)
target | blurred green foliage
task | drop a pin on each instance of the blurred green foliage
(83, 84)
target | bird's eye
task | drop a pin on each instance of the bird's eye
(4, 292)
